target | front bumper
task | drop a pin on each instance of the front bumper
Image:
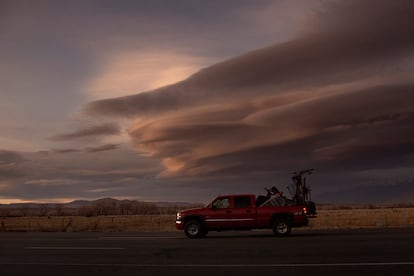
(179, 224)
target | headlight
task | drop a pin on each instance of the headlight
(178, 216)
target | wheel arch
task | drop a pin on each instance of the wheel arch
(198, 218)
(277, 216)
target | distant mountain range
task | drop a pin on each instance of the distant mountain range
(89, 203)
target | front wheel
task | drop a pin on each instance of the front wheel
(193, 229)
(281, 228)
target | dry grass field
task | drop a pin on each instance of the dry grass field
(327, 219)
(131, 223)
(364, 218)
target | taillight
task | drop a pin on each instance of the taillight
(304, 210)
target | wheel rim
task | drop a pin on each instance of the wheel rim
(282, 228)
(193, 229)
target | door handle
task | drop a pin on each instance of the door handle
(248, 211)
(228, 211)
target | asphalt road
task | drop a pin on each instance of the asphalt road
(356, 252)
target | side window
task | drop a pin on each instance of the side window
(223, 202)
(242, 202)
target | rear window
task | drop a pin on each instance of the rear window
(242, 202)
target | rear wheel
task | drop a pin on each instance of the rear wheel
(193, 229)
(281, 228)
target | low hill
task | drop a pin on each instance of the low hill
(103, 206)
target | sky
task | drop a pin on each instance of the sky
(182, 100)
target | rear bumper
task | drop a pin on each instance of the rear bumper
(300, 221)
(304, 221)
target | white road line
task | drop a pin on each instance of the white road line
(137, 238)
(221, 265)
(72, 248)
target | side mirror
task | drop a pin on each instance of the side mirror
(213, 207)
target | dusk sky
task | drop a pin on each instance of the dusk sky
(182, 100)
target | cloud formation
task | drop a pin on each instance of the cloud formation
(92, 131)
(103, 148)
(334, 94)
(360, 46)
(9, 161)
(64, 177)
(87, 149)
(126, 72)
(339, 96)
(64, 151)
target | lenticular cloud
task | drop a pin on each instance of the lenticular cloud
(339, 95)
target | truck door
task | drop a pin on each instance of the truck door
(219, 217)
(243, 213)
(231, 212)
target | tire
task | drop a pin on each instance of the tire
(281, 228)
(193, 229)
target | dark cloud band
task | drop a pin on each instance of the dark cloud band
(99, 130)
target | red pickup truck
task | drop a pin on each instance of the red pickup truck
(240, 212)
(244, 212)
